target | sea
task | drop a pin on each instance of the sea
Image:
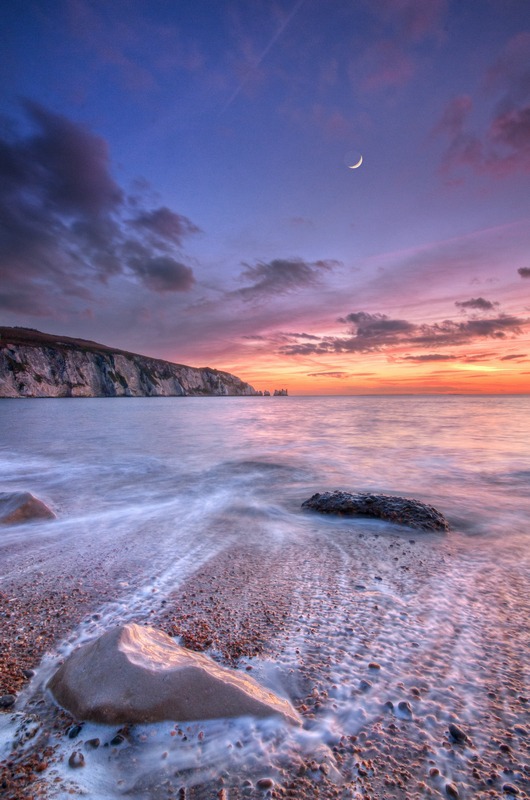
(389, 635)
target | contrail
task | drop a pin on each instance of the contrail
(272, 42)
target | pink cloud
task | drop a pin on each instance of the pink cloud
(386, 65)
(501, 147)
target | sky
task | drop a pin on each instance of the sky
(176, 180)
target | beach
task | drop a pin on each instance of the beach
(404, 652)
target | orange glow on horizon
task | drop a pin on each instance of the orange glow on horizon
(377, 375)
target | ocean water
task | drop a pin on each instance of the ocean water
(150, 492)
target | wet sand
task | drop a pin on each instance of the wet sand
(383, 639)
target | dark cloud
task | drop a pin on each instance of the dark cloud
(165, 224)
(477, 304)
(430, 357)
(282, 275)
(65, 226)
(524, 272)
(164, 274)
(377, 333)
(450, 332)
(374, 329)
(301, 336)
(328, 374)
(513, 356)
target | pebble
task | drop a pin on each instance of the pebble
(7, 700)
(265, 783)
(508, 788)
(92, 744)
(118, 739)
(457, 734)
(74, 731)
(405, 709)
(364, 685)
(374, 665)
(76, 760)
(28, 673)
(451, 790)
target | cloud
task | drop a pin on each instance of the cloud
(524, 272)
(414, 20)
(477, 304)
(450, 332)
(165, 224)
(376, 326)
(369, 333)
(514, 355)
(281, 275)
(338, 375)
(66, 226)
(164, 274)
(385, 65)
(501, 146)
(300, 336)
(430, 357)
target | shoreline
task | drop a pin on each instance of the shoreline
(293, 609)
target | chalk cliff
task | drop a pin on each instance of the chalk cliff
(35, 364)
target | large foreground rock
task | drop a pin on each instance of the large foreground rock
(399, 510)
(139, 674)
(22, 507)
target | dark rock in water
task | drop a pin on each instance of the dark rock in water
(18, 507)
(7, 700)
(139, 674)
(399, 510)
(76, 760)
(405, 709)
(457, 734)
(92, 744)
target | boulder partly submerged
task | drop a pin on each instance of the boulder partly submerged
(16, 507)
(139, 674)
(399, 510)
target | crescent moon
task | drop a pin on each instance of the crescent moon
(358, 164)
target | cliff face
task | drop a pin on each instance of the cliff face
(33, 364)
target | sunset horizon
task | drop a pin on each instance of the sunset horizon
(330, 198)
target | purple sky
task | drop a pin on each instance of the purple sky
(174, 181)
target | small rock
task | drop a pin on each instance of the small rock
(457, 734)
(374, 665)
(74, 731)
(76, 760)
(364, 685)
(265, 783)
(7, 700)
(92, 744)
(28, 673)
(118, 739)
(508, 788)
(405, 709)
(451, 790)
